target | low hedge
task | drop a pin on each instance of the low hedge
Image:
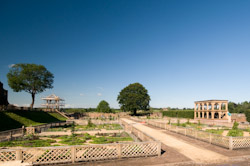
(189, 114)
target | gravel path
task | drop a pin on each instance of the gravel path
(195, 153)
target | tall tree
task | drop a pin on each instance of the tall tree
(30, 78)
(134, 97)
(103, 106)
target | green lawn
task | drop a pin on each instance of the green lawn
(18, 118)
(215, 131)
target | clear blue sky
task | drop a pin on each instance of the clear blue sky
(180, 50)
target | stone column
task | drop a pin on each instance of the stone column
(226, 106)
(212, 106)
(207, 106)
(207, 115)
(219, 115)
(199, 114)
(199, 107)
(203, 115)
(202, 106)
(219, 106)
(212, 115)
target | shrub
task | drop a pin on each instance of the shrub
(199, 122)
(235, 133)
(183, 125)
(90, 124)
(235, 126)
(178, 122)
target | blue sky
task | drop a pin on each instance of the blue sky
(180, 50)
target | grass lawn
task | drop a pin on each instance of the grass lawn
(18, 118)
(28, 141)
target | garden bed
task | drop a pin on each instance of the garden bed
(74, 139)
(219, 130)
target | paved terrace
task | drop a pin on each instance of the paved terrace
(195, 153)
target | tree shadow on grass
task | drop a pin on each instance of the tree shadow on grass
(37, 116)
(7, 123)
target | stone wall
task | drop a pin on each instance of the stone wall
(238, 117)
(95, 115)
(3, 96)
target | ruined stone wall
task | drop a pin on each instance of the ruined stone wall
(238, 117)
(3, 95)
(105, 115)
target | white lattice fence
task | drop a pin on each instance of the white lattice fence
(140, 149)
(49, 155)
(204, 136)
(7, 155)
(240, 142)
(46, 155)
(220, 140)
(97, 152)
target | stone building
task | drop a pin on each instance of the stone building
(212, 109)
(3, 96)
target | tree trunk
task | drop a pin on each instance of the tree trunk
(33, 100)
(134, 111)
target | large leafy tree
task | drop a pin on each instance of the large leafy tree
(103, 106)
(30, 78)
(134, 97)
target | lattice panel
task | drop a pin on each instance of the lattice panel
(51, 155)
(96, 153)
(203, 136)
(241, 142)
(220, 140)
(28, 155)
(133, 150)
(162, 125)
(190, 132)
(7, 156)
(182, 130)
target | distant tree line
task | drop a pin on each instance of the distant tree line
(238, 108)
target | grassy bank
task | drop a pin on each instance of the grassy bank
(17, 118)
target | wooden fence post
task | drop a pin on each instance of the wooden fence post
(73, 154)
(159, 148)
(230, 143)
(19, 155)
(10, 135)
(119, 150)
(23, 130)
